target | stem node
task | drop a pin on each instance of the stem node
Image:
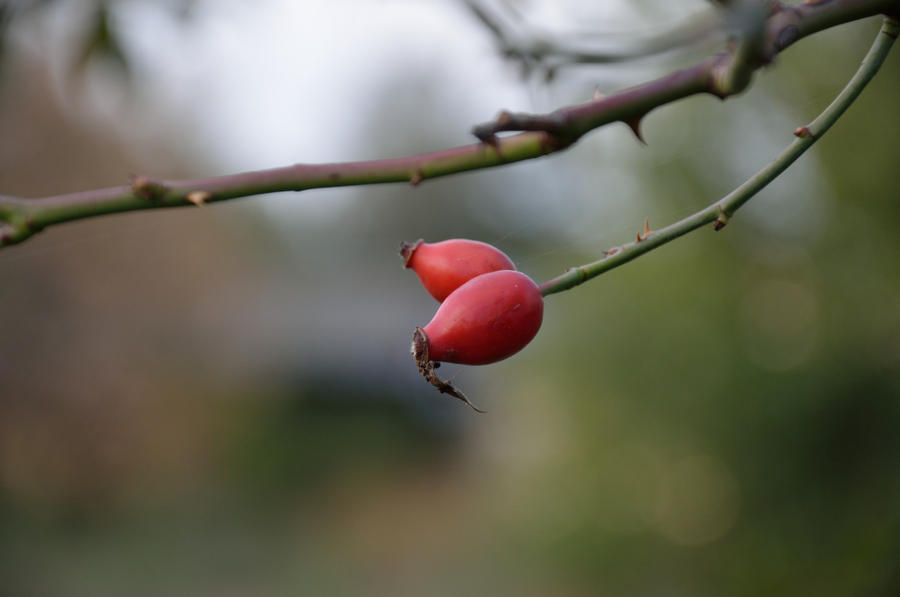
(722, 220)
(145, 188)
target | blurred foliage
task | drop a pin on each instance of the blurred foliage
(99, 39)
(193, 403)
(101, 42)
(300, 440)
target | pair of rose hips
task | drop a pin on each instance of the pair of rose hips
(489, 311)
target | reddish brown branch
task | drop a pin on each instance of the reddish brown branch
(721, 75)
(724, 75)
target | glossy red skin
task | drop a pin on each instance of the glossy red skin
(487, 319)
(445, 266)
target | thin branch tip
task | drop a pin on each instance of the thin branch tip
(722, 210)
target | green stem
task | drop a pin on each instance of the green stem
(720, 211)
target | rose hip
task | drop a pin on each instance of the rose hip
(487, 319)
(445, 266)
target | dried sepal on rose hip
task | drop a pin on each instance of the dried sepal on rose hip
(487, 319)
(445, 266)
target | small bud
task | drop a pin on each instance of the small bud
(721, 220)
(802, 132)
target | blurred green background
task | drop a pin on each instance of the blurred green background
(220, 401)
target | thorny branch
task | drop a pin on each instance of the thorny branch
(722, 75)
(719, 212)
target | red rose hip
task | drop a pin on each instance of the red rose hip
(445, 266)
(487, 319)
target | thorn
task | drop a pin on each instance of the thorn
(803, 131)
(647, 227)
(598, 95)
(647, 232)
(199, 198)
(417, 177)
(503, 118)
(635, 125)
(611, 252)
